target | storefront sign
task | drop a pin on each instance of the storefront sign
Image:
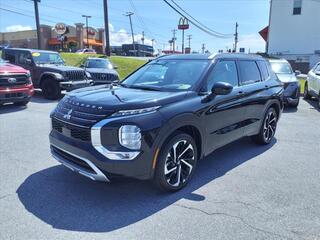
(60, 28)
(183, 23)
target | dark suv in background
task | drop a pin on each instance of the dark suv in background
(166, 116)
(48, 71)
(101, 70)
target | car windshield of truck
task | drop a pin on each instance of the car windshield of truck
(281, 67)
(99, 63)
(47, 58)
(167, 75)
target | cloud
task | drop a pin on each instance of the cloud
(15, 28)
(117, 38)
(254, 42)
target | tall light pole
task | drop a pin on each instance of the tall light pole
(236, 38)
(86, 16)
(36, 11)
(106, 27)
(129, 14)
(189, 40)
(174, 40)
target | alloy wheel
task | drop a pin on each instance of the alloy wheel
(269, 127)
(179, 163)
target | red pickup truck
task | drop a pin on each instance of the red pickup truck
(15, 84)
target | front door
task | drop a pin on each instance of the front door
(224, 114)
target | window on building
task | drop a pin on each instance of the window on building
(297, 5)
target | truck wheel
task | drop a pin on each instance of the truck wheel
(306, 94)
(51, 89)
(268, 128)
(176, 163)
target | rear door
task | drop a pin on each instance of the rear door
(224, 114)
(254, 77)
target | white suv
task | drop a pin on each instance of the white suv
(312, 85)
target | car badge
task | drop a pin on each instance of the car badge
(12, 80)
(68, 115)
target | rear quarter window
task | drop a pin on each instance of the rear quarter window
(249, 71)
(264, 70)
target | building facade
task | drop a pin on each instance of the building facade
(293, 32)
(75, 38)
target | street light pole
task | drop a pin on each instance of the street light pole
(129, 14)
(36, 11)
(86, 16)
(106, 27)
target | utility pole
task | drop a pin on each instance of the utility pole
(189, 40)
(236, 38)
(142, 40)
(174, 40)
(182, 46)
(36, 11)
(129, 14)
(106, 27)
(203, 48)
(86, 16)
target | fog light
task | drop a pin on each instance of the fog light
(130, 137)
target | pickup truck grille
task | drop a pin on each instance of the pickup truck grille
(76, 75)
(13, 80)
(104, 77)
(80, 114)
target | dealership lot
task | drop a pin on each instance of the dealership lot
(241, 191)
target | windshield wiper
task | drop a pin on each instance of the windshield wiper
(148, 88)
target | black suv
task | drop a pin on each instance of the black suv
(166, 116)
(48, 71)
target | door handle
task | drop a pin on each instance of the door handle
(241, 93)
(266, 86)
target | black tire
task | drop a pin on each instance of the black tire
(319, 100)
(170, 182)
(306, 94)
(268, 128)
(51, 89)
(23, 103)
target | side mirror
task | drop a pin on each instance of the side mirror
(221, 88)
(317, 73)
(115, 67)
(297, 72)
(28, 61)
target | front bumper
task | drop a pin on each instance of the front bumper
(85, 158)
(16, 94)
(71, 85)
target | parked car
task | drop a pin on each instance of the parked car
(312, 85)
(291, 84)
(48, 70)
(101, 70)
(86, 51)
(162, 119)
(15, 84)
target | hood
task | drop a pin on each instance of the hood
(10, 68)
(101, 70)
(285, 78)
(62, 68)
(120, 98)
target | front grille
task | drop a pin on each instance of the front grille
(15, 95)
(76, 75)
(104, 77)
(69, 130)
(81, 114)
(13, 80)
(72, 159)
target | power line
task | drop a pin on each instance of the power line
(222, 34)
(194, 23)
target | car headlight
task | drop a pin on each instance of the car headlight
(134, 111)
(88, 75)
(130, 137)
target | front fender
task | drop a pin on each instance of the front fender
(56, 76)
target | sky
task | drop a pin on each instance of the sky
(153, 17)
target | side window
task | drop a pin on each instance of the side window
(22, 57)
(264, 70)
(249, 72)
(10, 56)
(223, 71)
(317, 68)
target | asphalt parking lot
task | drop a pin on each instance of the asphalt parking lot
(241, 191)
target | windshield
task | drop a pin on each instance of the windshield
(281, 67)
(99, 63)
(174, 75)
(47, 58)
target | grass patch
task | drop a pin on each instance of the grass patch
(125, 65)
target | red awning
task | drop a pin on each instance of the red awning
(264, 33)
